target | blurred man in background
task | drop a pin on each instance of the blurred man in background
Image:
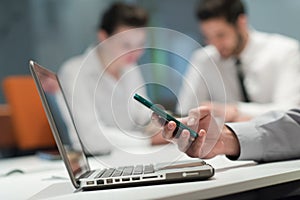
(259, 70)
(100, 83)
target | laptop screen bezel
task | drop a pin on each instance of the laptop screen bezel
(63, 153)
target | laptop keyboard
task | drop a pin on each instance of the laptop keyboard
(126, 171)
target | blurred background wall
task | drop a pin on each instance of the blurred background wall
(51, 31)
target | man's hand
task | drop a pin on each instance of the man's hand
(211, 141)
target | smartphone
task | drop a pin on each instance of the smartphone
(160, 112)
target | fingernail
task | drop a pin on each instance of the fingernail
(201, 134)
(191, 121)
(185, 134)
(170, 126)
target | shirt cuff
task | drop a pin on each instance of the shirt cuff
(251, 147)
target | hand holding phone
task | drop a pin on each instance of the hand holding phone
(179, 126)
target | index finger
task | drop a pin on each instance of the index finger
(157, 120)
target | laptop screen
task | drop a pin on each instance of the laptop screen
(60, 120)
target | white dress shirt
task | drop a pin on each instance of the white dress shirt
(271, 66)
(270, 137)
(103, 108)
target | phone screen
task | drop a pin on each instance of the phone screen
(179, 126)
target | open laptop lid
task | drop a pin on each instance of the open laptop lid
(58, 113)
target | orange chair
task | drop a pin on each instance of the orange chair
(31, 128)
(7, 140)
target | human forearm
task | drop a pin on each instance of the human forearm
(270, 137)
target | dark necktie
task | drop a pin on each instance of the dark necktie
(241, 77)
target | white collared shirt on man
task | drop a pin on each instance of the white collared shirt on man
(103, 109)
(271, 65)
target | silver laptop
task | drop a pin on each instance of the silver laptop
(75, 159)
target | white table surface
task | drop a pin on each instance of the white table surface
(48, 179)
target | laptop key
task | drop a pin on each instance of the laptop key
(100, 173)
(87, 174)
(117, 172)
(127, 171)
(108, 173)
(138, 170)
(148, 169)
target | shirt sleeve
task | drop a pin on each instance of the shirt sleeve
(270, 137)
